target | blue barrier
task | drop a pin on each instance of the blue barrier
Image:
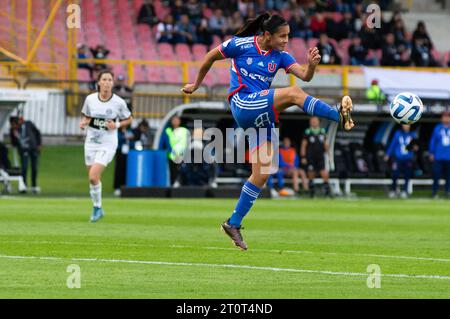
(147, 168)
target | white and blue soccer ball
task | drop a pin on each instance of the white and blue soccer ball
(406, 108)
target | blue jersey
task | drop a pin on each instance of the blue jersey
(253, 70)
(398, 147)
(440, 143)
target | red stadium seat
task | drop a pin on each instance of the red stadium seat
(155, 74)
(83, 75)
(183, 52)
(311, 43)
(199, 51)
(166, 52)
(173, 74)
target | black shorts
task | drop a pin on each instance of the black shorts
(316, 163)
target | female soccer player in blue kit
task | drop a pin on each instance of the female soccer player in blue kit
(256, 53)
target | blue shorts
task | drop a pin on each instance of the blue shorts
(256, 110)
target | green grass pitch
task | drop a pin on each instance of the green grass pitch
(174, 249)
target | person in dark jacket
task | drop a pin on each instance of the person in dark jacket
(147, 14)
(439, 150)
(401, 150)
(27, 138)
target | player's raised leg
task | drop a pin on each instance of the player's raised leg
(293, 95)
(95, 190)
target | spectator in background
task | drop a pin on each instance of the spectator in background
(235, 22)
(370, 37)
(358, 53)
(198, 173)
(400, 35)
(401, 150)
(218, 24)
(147, 14)
(392, 55)
(440, 154)
(422, 33)
(175, 141)
(374, 93)
(396, 15)
(345, 28)
(123, 90)
(125, 139)
(83, 53)
(327, 51)
(27, 138)
(185, 31)
(318, 25)
(244, 7)
(289, 163)
(204, 34)
(298, 26)
(195, 11)
(312, 152)
(178, 10)
(100, 53)
(340, 6)
(421, 55)
(448, 62)
(165, 31)
(142, 136)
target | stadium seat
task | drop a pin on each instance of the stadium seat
(166, 52)
(312, 42)
(199, 51)
(173, 74)
(83, 75)
(156, 74)
(297, 44)
(438, 56)
(183, 52)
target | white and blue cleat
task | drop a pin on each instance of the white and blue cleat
(97, 213)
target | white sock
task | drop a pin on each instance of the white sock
(96, 194)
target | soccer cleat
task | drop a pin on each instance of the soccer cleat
(235, 234)
(345, 110)
(97, 213)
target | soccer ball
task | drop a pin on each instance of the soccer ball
(406, 108)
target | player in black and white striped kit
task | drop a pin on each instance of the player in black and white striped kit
(103, 113)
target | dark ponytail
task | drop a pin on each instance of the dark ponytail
(263, 22)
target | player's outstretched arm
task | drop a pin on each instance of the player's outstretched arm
(210, 58)
(305, 72)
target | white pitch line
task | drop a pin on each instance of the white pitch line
(277, 251)
(166, 263)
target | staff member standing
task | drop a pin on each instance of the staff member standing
(312, 152)
(440, 154)
(27, 138)
(401, 150)
(175, 141)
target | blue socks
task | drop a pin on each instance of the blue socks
(318, 108)
(248, 196)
